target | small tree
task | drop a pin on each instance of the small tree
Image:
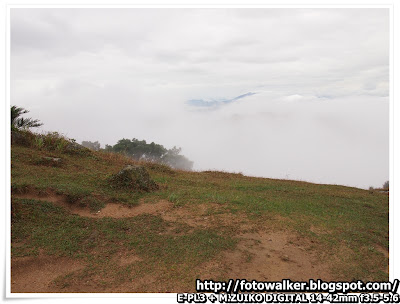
(91, 145)
(386, 185)
(141, 150)
(18, 123)
(108, 148)
(177, 161)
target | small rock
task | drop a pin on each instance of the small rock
(285, 258)
(48, 161)
(54, 159)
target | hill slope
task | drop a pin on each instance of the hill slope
(73, 232)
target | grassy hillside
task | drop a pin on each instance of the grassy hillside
(196, 225)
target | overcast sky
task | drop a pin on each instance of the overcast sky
(283, 93)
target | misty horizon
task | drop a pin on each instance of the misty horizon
(299, 94)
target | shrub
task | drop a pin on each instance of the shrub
(91, 145)
(134, 178)
(22, 137)
(38, 142)
(54, 141)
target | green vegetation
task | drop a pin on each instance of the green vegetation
(140, 150)
(18, 122)
(348, 217)
(386, 185)
(346, 226)
(40, 225)
(91, 145)
(135, 178)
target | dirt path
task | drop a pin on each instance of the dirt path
(110, 210)
(262, 253)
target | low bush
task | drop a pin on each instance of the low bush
(51, 141)
(134, 178)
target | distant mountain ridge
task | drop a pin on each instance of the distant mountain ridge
(216, 103)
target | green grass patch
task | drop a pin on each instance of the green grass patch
(330, 215)
(41, 225)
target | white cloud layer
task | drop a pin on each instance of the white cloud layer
(321, 78)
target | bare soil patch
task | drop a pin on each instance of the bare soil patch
(207, 216)
(275, 256)
(264, 252)
(124, 259)
(384, 251)
(36, 274)
(110, 210)
(121, 211)
(269, 256)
